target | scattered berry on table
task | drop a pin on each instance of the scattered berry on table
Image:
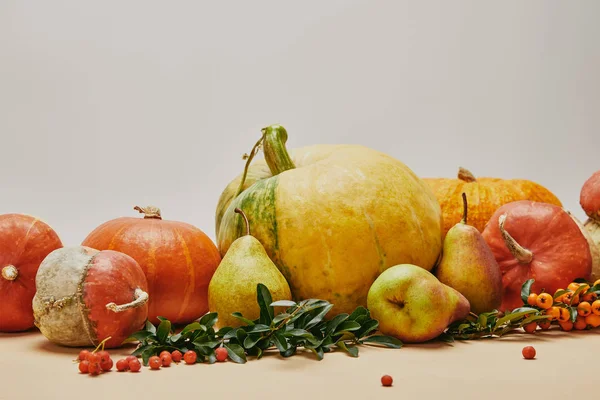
(130, 358)
(176, 356)
(528, 352)
(387, 380)
(154, 362)
(107, 365)
(221, 354)
(166, 359)
(83, 366)
(104, 356)
(94, 368)
(122, 365)
(190, 357)
(135, 365)
(83, 354)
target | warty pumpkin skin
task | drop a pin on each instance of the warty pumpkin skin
(332, 217)
(178, 259)
(24, 243)
(485, 196)
(540, 241)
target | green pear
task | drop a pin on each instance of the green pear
(412, 305)
(233, 285)
(468, 265)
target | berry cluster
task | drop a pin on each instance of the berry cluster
(576, 307)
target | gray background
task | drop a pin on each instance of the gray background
(109, 104)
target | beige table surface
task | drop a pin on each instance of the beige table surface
(566, 367)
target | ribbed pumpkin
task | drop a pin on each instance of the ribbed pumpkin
(178, 259)
(589, 199)
(24, 243)
(485, 196)
(331, 217)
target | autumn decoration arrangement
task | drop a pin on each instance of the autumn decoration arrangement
(318, 249)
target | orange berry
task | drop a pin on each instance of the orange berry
(596, 307)
(566, 326)
(528, 352)
(554, 313)
(584, 309)
(545, 324)
(544, 301)
(532, 299)
(530, 327)
(580, 323)
(558, 299)
(573, 286)
(589, 297)
(593, 320)
(564, 315)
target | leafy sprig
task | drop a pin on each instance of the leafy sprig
(302, 325)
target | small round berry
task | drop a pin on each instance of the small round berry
(190, 357)
(544, 301)
(532, 299)
(94, 368)
(530, 327)
(580, 323)
(122, 365)
(130, 358)
(83, 366)
(387, 380)
(564, 315)
(221, 354)
(162, 353)
(176, 356)
(528, 352)
(545, 324)
(584, 309)
(566, 326)
(166, 359)
(135, 365)
(154, 362)
(596, 307)
(83, 354)
(107, 365)
(104, 356)
(93, 358)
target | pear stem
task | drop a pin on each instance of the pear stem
(522, 255)
(466, 175)
(237, 210)
(465, 208)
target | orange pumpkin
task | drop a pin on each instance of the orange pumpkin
(485, 195)
(177, 258)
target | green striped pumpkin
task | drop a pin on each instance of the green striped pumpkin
(331, 217)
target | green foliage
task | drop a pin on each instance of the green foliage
(302, 325)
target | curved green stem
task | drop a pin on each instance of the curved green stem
(249, 158)
(276, 155)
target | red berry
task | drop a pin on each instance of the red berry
(190, 357)
(122, 365)
(386, 380)
(83, 354)
(528, 352)
(104, 356)
(154, 362)
(93, 358)
(166, 359)
(162, 353)
(94, 368)
(130, 358)
(176, 356)
(135, 365)
(83, 366)
(221, 354)
(107, 365)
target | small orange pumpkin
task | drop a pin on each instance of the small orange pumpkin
(485, 195)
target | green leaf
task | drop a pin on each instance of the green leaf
(146, 354)
(559, 293)
(367, 328)
(263, 297)
(283, 303)
(164, 328)
(209, 319)
(141, 336)
(289, 352)
(280, 342)
(194, 326)
(149, 327)
(526, 290)
(301, 333)
(241, 335)
(577, 292)
(258, 328)
(348, 326)
(242, 318)
(319, 317)
(251, 341)
(259, 353)
(446, 338)
(137, 352)
(334, 323)
(353, 351)
(580, 280)
(573, 314)
(231, 334)
(482, 320)
(211, 358)
(318, 352)
(280, 317)
(357, 313)
(386, 341)
(510, 317)
(224, 331)
(236, 353)
(533, 318)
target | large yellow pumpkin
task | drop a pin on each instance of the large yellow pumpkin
(485, 196)
(331, 217)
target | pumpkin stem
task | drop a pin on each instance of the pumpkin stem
(237, 210)
(10, 272)
(140, 298)
(465, 208)
(466, 175)
(276, 155)
(248, 158)
(522, 255)
(149, 212)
